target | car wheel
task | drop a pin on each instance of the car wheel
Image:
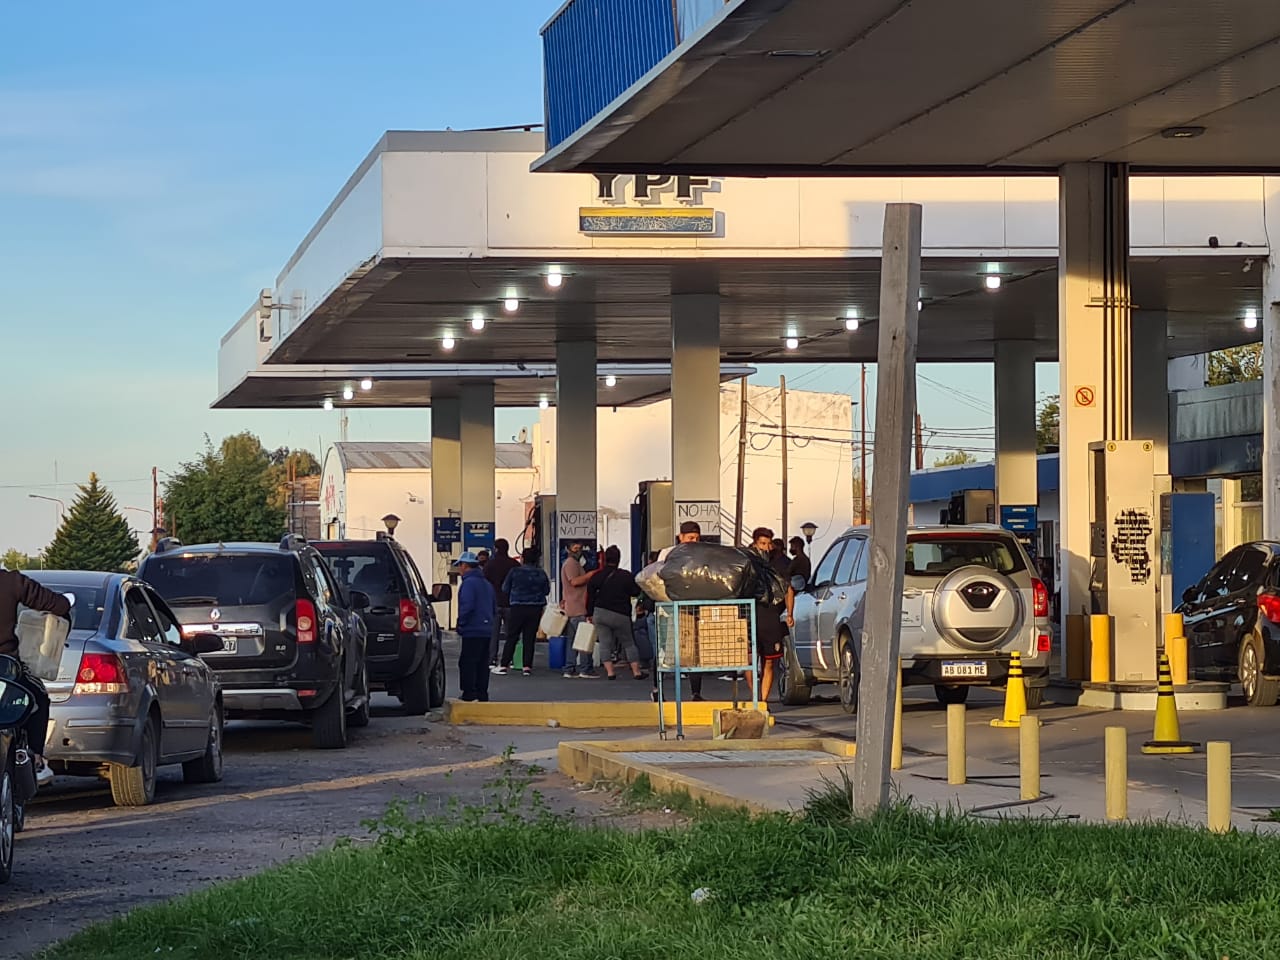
(136, 786)
(360, 715)
(8, 825)
(848, 677)
(1035, 697)
(439, 683)
(207, 769)
(949, 695)
(416, 692)
(792, 688)
(329, 723)
(1258, 690)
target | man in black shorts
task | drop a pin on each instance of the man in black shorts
(770, 635)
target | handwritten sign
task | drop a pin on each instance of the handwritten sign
(576, 524)
(706, 513)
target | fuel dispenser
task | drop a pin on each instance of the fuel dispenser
(652, 521)
(970, 506)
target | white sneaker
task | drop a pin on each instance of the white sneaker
(500, 671)
(44, 774)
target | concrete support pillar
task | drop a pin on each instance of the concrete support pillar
(446, 478)
(1270, 316)
(576, 389)
(1015, 394)
(1150, 377)
(479, 484)
(695, 409)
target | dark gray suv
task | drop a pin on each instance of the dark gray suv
(293, 643)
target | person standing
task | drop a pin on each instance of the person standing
(477, 608)
(495, 570)
(690, 532)
(770, 635)
(609, 595)
(527, 586)
(778, 557)
(801, 565)
(573, 604)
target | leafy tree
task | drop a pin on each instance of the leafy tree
(1235, 364)
(1047, 422)
(956, 458)
(15, 559)
(228, 493)
(94, 535)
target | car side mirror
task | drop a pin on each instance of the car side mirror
(10, 668)
(441, 593)
(798, 583)
(203, 643)
(16, 704)
(360, 600)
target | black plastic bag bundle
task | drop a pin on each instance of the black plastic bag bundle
(710, 571)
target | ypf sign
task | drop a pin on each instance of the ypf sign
(650, 205)
(653, 188)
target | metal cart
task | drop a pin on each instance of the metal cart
(704, 636)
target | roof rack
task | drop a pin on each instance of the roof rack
(165, 544)
(292, 541)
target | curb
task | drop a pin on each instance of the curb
(581, 714)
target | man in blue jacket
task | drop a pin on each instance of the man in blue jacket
(477, 608)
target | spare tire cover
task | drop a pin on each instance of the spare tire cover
(977, 608)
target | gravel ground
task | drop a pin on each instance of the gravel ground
(81, 860)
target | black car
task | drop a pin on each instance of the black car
(1232, 622)
(293, 640)
(405, 652)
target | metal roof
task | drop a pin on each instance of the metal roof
(835, 87)
(359, 455)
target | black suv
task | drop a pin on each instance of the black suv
(293, 641)
(406, 654)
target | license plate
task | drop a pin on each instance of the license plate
(228, 646)
(963, 669)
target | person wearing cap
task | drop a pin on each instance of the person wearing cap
(690, 532)
(477, 609)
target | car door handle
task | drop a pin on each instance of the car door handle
(843, 597)
(911, 593)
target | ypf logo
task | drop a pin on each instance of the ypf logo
(646, 188)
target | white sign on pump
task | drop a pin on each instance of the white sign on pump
(705, 512)
(576, 525)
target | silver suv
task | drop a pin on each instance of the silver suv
(969, 599)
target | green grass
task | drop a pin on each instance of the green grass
(905, 885)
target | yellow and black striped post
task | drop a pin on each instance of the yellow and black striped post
(1167, 737)
(1015, 696)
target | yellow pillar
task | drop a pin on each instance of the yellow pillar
(1029, 757)
(1175, 645)
(1117, 773)
(957, 766)
(1100, 648)
(1218, 789)
(897, 724)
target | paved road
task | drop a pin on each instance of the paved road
(83, 860)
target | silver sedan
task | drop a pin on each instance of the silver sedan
(132, 693)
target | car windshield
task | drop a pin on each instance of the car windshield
(229, 580)
(86, 614)
(936, 556)
(368, 569)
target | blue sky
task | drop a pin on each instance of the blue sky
(159, 162)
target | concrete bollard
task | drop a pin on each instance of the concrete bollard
(1117, 773)
(1029, 757)
(1218, 788)
(897, 724)
(1100, 648)
(957, 761)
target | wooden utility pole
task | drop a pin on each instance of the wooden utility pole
(742, 467)
(895, 402)
(862, 446)
(155, 507)
(919, 442)
(785, 532)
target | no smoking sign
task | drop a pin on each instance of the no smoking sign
(1085, 396)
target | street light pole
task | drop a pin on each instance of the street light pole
(62, 507)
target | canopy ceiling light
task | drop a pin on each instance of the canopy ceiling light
(366, 384)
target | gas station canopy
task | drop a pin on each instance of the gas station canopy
(925, 86)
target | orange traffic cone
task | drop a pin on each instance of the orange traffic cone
(1167, 738)
(1015, 695)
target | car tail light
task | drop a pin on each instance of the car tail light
(101, 673)
(408, 616)
(1044, 644)
(1041, 598)
(306, 614)
(1269, 604)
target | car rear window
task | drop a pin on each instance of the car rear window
(86, 614)
(938, 555)
(228, 580)
(368, 568)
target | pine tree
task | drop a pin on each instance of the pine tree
(94, 535)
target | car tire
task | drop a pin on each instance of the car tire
(135, 786)
(1259, 691)
(792, 690)
(949, 695)
(439, 684)
(207, 769)
(415, 689)
(848, 676)
(1035, 697)
(329, 723)
(360, 715)
(8, 827)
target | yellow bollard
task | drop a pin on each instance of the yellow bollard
(897, 724)
(1176, 648)
(1117, 767)
(1100, 648)
(1029, 757)
(956, 759)
(1218, 789)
